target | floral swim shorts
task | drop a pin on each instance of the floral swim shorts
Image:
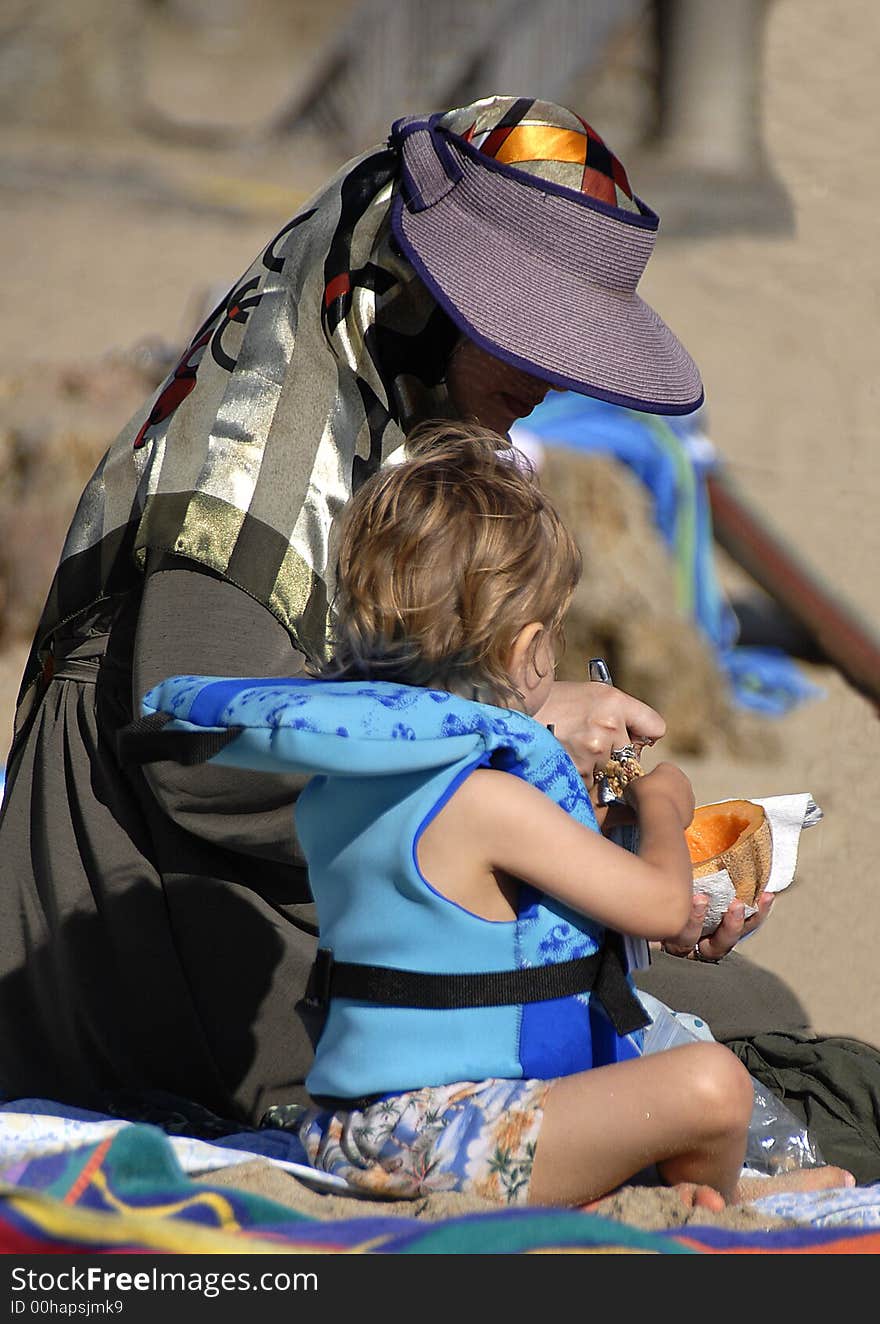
(477, 1138)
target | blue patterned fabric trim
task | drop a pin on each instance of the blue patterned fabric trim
(347, 727)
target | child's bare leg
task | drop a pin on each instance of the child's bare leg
(686, 1110)
(825, 1178)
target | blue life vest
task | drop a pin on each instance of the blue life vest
(385, 758)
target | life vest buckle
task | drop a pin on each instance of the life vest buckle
(317, 994)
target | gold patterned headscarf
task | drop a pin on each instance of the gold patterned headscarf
(300, 383)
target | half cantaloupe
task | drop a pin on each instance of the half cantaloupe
(734, 835)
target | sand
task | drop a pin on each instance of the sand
(652, 1208)
(784, 328)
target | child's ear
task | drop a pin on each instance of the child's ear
(520, 665)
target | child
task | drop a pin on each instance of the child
(455, 574)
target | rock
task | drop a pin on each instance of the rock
(625, 608)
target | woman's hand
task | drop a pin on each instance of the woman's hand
(591, 719)
(716, 945)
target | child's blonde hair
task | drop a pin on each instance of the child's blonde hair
(443, 559)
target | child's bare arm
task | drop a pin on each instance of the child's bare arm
(514, 828)
(664, 802)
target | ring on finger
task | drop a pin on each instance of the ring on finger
(683, 954)
(697, 955)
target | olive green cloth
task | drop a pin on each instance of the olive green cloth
(831, 1084)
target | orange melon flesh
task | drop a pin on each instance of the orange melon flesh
(735, 836)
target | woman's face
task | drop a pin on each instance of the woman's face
(489, 390)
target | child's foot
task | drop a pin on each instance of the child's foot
(826, 1178)
(696, 1196)
(692, 1195)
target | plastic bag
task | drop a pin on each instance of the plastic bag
(777, 1140)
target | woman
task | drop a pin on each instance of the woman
(157, 928)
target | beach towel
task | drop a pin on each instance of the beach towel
(127, 1191)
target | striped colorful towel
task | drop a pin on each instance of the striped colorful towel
(128, 1192)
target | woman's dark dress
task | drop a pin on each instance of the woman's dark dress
(155, 937)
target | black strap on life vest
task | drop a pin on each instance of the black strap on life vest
(603, 974)
(145, 741)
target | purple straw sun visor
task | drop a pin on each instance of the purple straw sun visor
(537, 274)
